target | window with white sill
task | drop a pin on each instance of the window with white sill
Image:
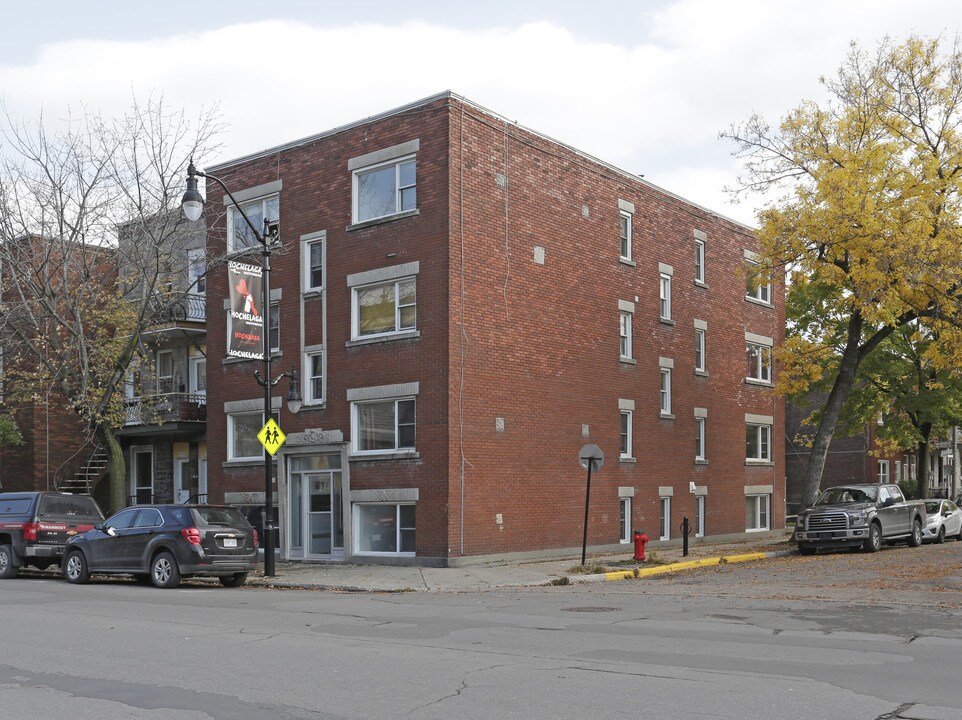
(759, 361)
(384, 309)
(756, 512)
(240, 236)
(385, 189)
(758, 443)
(625, 235)
(383, 426)
(625, 435)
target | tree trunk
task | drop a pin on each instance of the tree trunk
(117, 468)
(844, 382)
(923, 469)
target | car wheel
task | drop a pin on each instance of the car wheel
(164, 572)
(9, 570)
(940, 538)
(873, 543)
(807, 549)
(75, 568)
(235, 580)
(915, 539)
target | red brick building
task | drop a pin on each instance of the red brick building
(468, 303)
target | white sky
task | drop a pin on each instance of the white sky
(644, 85)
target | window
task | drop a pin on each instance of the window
(312, 259)
(242, 442)
(625, 332)
(700, 516)
(239, 234)
(198, 376)
(384, 529)
(625, 520)
(758, 442)
(165, 371)
(756, 512)
(666, 391)
(625, 235)
(385, 189)
(898, 470)
(756, 286)
(196, 272)
(626, 434)
(699, 261)
(883, 471)
(383, 425)
(699, 350)
(700, 452)
(665, 296)
(315, 377)
(275, 328)
(759, 359)
(665, 518)
(385, 308)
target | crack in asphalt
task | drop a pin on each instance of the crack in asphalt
(897, 712)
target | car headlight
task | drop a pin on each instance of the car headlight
(860, 518)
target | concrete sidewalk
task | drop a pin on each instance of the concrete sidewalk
(388, 578)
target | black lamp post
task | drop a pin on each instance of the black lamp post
(193, 206)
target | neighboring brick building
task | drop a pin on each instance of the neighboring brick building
(851, 458)
(58, 446)
(467, 303)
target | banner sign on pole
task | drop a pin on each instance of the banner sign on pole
(247, 319)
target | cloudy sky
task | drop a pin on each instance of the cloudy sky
(644, 85)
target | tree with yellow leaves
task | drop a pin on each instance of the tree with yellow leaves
(869, 230)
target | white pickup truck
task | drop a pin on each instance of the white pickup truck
(859, 516)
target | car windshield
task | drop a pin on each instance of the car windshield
(933, 506)
(842, 495)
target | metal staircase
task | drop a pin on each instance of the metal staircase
(82, 472)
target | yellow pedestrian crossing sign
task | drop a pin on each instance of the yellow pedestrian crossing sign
(271, 436)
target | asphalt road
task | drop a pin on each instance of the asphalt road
(841, 636)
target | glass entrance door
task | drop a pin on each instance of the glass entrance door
(316, 528)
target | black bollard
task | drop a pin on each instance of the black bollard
(685, 530)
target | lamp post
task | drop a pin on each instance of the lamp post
(193, 206)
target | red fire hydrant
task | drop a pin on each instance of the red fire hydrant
(640, 540)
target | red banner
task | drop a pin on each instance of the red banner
(246, 328)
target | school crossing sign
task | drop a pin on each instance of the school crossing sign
(271, 436)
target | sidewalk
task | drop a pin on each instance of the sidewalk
(387, 578)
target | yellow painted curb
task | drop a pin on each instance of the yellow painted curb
(744, 558)
(661, 569)
(686, 565)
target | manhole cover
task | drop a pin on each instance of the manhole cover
(591, 609)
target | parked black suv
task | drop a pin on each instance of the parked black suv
(35, 526)
(163, 543)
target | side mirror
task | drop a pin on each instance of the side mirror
(888, 502)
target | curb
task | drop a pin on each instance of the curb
(687, 565)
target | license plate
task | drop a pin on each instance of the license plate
(230, 542)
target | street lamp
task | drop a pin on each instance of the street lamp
(193, 206)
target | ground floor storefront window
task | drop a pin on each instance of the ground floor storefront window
(384, 528)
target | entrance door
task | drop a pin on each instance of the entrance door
(182, 484)
(316, 528)
(142, 475)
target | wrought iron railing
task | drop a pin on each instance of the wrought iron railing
(166, 407)
(191, 307)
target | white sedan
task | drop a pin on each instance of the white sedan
(944, 519)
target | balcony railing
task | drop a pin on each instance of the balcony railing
(166, 408)
(191, 308)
